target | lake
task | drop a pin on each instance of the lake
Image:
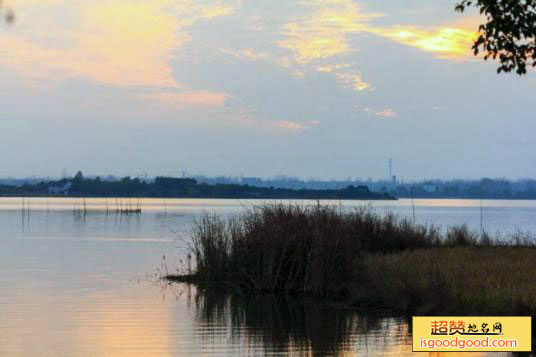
(77, 281)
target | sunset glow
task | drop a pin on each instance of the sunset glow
(314, 69)
(445, 41)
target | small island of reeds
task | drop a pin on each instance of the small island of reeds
(366, 260)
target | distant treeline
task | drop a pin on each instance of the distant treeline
(488, 188)
(177, 187)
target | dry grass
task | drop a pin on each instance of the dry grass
(461, 280)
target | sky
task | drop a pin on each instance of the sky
(305, 88)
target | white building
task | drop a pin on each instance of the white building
(59, 190)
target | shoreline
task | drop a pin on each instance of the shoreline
(274, 198)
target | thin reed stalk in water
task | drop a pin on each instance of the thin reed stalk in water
(412, 205)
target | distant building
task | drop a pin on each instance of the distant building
(429, 188)
(59, 190)
(252, 181)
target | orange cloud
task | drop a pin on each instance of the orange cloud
(117, 42)
(189, 99)
(295, 126)
(386, 113)
(348, 78)
(445, 41)
(324, 33)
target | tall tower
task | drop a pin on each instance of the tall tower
(392, 178)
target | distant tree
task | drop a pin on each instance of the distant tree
(79, 176)
(509, 33)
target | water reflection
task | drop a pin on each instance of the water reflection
(252, 324)
(281, 324)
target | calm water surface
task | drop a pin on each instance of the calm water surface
(74, 284)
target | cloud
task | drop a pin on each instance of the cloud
(386, 113)
(189, 99)
(132, 44)
(210, 12)
(347, 77)
(324, 33)
(352, 80)
(117, 42)
(448, 42)
(294, 126)
(249, 54)
(383, 113)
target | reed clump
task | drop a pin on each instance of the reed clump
(300, 250)
(365, 258)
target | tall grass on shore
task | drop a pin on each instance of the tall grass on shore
(317, 250)
(299, 250)
(460, 280)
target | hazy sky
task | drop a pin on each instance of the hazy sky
(308, 88)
